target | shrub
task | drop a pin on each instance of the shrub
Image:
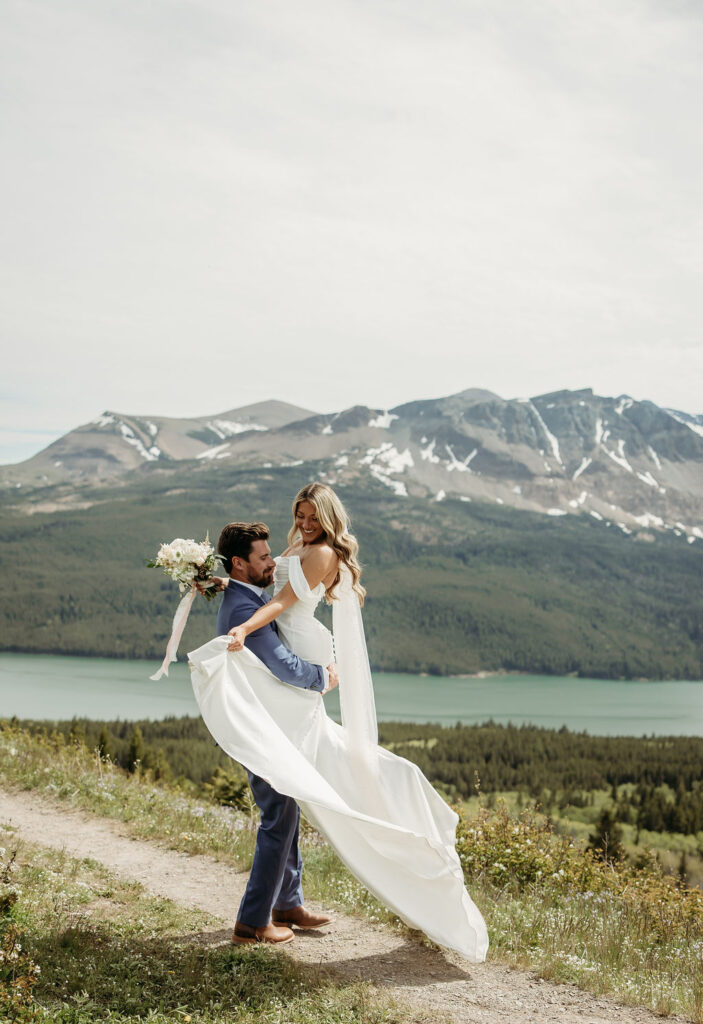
(18, 972)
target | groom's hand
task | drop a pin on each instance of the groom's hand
(333, 678)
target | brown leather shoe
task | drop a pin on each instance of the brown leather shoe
(300, 917)
(244, 935)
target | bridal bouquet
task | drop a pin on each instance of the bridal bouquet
(188, 562)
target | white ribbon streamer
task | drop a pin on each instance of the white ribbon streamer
(179, 624)
(356, 697)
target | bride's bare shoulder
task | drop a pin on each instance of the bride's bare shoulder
(320, 563)
(320, 554)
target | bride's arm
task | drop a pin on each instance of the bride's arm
(317, 567)
(267, 613)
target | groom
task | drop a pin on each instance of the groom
(273, 899)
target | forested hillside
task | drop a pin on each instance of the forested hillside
(453, 587)
(656, 783)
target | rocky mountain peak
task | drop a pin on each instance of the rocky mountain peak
(621, 461)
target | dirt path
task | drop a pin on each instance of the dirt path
(439, 981)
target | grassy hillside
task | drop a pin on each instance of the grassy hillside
(95, 947)
(453, 587)
(550, 905)
(652, 786)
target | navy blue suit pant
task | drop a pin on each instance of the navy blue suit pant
(275, 880)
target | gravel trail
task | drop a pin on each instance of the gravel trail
(440, 982)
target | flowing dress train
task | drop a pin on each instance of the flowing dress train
(377, 810)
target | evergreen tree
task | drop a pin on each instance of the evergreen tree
(228, 787)
(136, 750)
(683, 871)
(606, 841)
(104, 745)
(76, 733)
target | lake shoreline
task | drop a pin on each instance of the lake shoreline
(60, 687)
(481, 674)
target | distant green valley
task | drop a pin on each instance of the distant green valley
(453, 587)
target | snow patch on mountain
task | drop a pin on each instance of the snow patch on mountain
(649, 519)
(619, 456)
(218, 452)
(585, 463)
(624, 403)
(456, 464)
(654, 457)
(228, 428)
(105, 420)
(397, 486)
(577, 502)
(383, 421)
(150, 455)
(386, 459)
(388, 454)
(554, 444)
(687, 421)
(428, 453)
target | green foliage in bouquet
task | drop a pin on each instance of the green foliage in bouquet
(188, 562)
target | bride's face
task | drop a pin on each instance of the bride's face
(307, 522)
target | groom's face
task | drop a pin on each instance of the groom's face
(258, 568)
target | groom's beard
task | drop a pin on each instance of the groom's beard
(262, 581)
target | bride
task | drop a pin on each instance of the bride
(377, 810)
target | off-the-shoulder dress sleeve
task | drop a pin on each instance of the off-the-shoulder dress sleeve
(297, 580)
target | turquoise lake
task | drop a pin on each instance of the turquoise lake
(52, 687)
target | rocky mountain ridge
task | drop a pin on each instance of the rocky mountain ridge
(630, 463)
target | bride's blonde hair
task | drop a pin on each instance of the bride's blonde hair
(333, 518)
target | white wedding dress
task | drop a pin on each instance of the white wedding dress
(378, 811)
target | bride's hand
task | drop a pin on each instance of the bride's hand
(217, 583)
(238, 635)
(333, 678)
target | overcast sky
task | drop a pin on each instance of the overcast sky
(207, 203)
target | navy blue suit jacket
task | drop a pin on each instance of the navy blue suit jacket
(239, 604)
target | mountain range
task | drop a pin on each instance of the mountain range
(626, 462)
(559, 534)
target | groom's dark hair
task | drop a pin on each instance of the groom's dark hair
(236, 540)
